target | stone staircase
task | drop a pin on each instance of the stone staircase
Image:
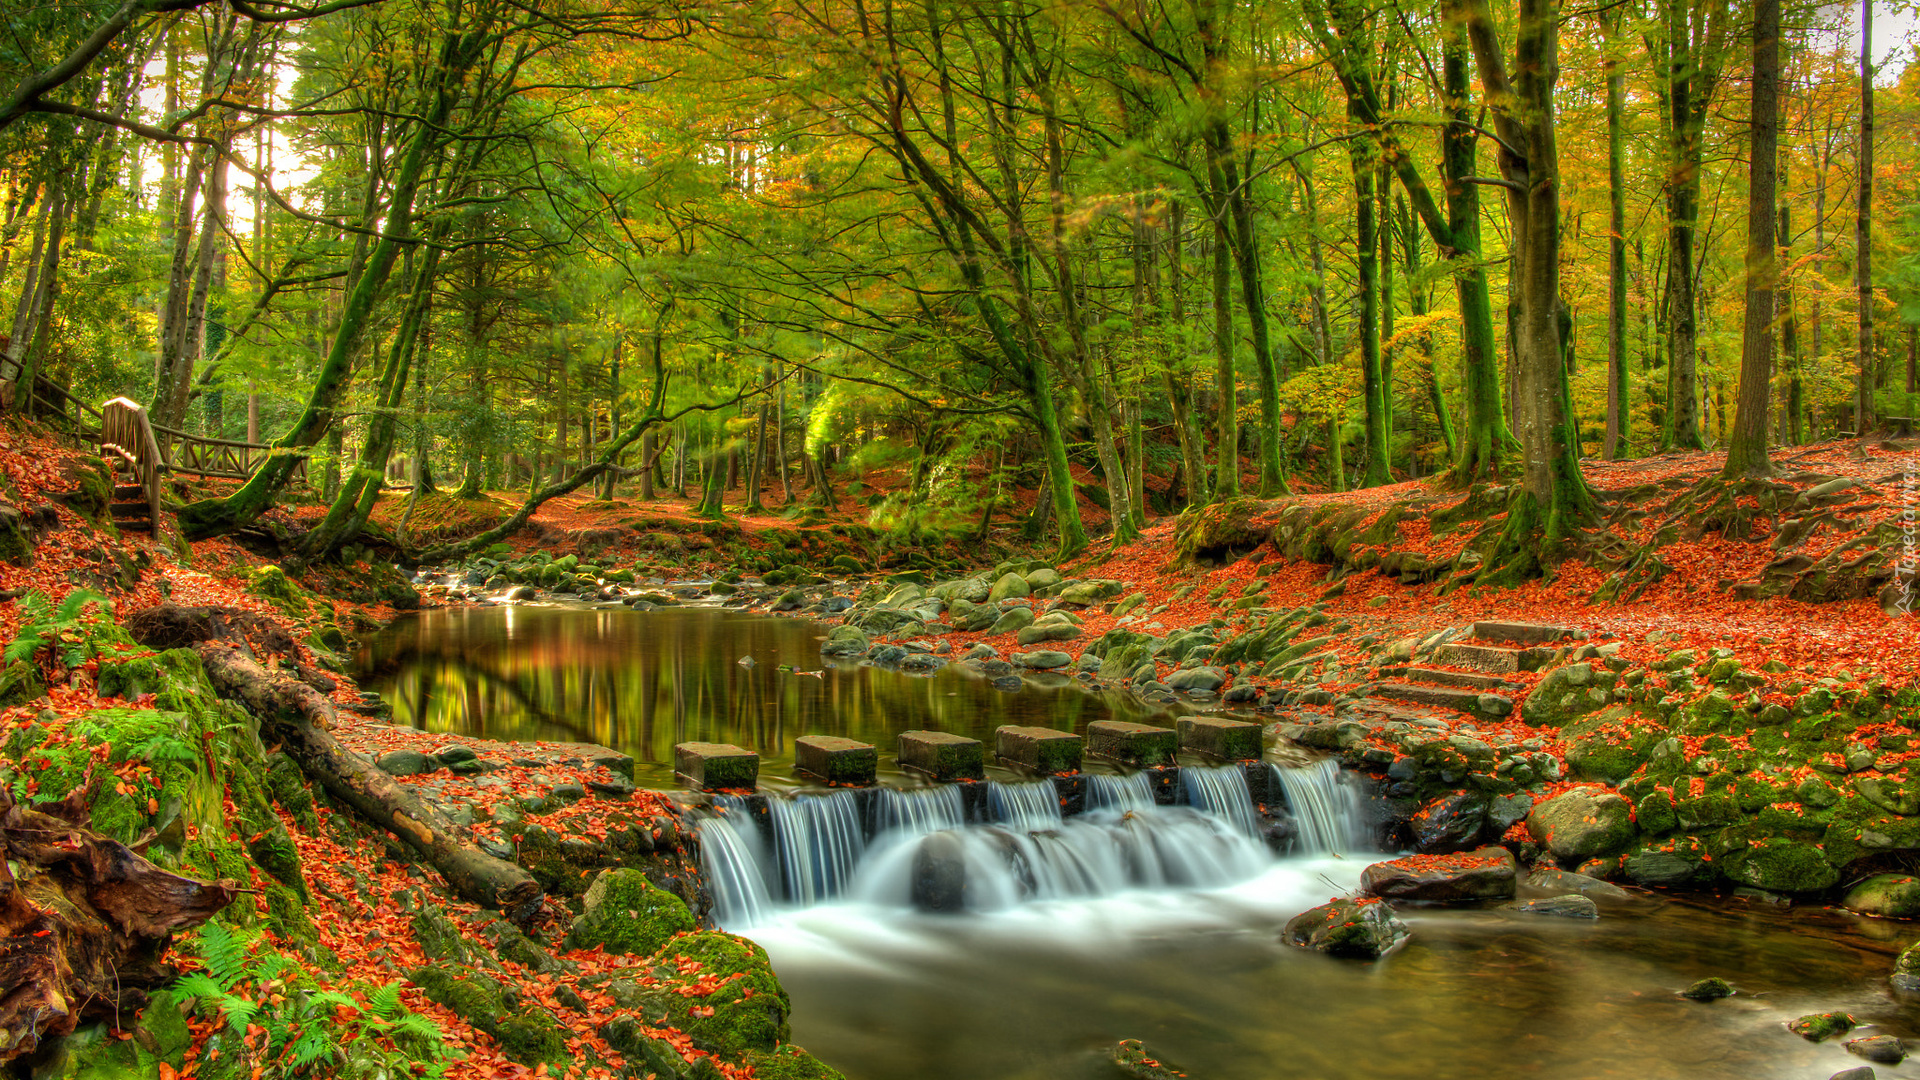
(1495, 649)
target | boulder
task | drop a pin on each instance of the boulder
(1008, 587)
(1783, 866)
(406, 763)
(1561, 882)
(1199, 678)
(1450, 824)
(1042, 659)
(1892, 895)
(1881, 1049)
(1012, 621)
(1088, 593)
(1363, 929)
(1045, 631)
(1486, 874)
(845, 642)
(1042, 579)
(1819, 1027)
(623, 912)
(1564, 695)
(1906, 970)
(1583, 824)
(1712, 988)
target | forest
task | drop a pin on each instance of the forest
(959, 539)
(1163, 253)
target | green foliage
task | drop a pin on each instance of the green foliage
(72, 627)
(304, 1032)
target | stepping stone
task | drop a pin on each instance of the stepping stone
(715, 766)
(1128, 743)
(1491, 658)
(1439, 677)
(1472, 702)
(1226, 740)
(942, 756)
(1519, 633)
(1040, 749)
(835, 760)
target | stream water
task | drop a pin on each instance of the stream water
(1131, 920)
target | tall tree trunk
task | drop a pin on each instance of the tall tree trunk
(1863, 228)
(1619, 401)
(1790, 344)
(1747, 449)
(1226, 476)
(1361, 156)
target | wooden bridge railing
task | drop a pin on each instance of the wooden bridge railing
(126, 433)
(176, 450)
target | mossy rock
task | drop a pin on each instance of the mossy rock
(530, 1036)
(20, 683)
(623, 912)
(270, 583)
(1784, 866)
(1606, 751)
(749, 1009)
(1219, 532)
(1892, 895)
(788, 1062)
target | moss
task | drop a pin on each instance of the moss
(439, 936)
(748, 1011)
(533, 1037)
(789, 1062)
(472, 995)
(1656, 814)
(1786, 866)
(623, 912)
(287, 915)
(20, 682)
(1819, 1027)
(270, 583)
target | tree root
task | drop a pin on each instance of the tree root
(84, 934)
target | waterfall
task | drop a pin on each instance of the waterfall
(1134, 791)
(1099, 853)
(734, 861)
(915, 811)
(1222, 792)
(817, 842)
(1025, 807)
(1327, 813)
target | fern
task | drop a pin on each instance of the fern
(225, 954)
(71, 624)
(384, 1002)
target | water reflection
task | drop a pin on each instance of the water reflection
(642, 681)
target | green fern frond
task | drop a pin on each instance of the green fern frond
(200, 984)
(225, 954)
(314, 1044)
(384, 1001)
(78, 599)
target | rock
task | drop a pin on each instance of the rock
(1712, 988)
(1042, 579)
(835, 760)
(1784, 866)
(1128, 743)
(1571, 906)
(940, 874)
(1091, 592)
(1819, 1027)
(1861, 1073)
(1564, 881)
(1042, 659)
(1582, 824)
(941, 755)
(623, 912)
(1883, 1049)
(1364, 929)
(1221, 739)
(1132, 1058)
(1043, 750)
(1906, 970)
(1487, 874)
(845, 641)
(1012, 621)
(1892, 895)
(1450, 824)
(1561, 697)
(981, 651)
(406, 763)
(1668, 866)
(1039, 632)
(1008, 587)
(1199, 678)
(520, 593)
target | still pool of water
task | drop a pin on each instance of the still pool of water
(642, 681)
(1034, 990)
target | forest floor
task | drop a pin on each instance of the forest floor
(1695, 602)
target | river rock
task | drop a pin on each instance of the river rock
(1582, 824)
(406, 763)
(1570, 906)
(1133, 1059)
(1712, 988)
(1363, 929)
(1046, 631)
(1042, 659)
(520, 593)
(1008, 587)
(1199, 678)
(1566, 881)
(1042, 579)
(1862, 1073)
(845, 641)
(1906, 970)
(1090, 592)
(1487, 874)
(940, 874)
(1819, 1027)
(1883, 1049)
(1012, 621)
(1669, 865)
(1893, 895)
(981, 651)
(1450, 824)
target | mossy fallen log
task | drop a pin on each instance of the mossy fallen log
(298, 716)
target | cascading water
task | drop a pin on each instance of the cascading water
(734, 860)
(1134, 791)
(1222, 791)
(1025, 806)
(915, 811)
(1327, 813)
(817, 841)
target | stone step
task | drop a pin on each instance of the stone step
(707, 766)
(1472, 702)
(1442, 677)
(1493, 659)
(1128, 743)
(942, 756)
(835, 760)
(129, 491)
(1519, 633)
(1044, 750)
(1221, 739)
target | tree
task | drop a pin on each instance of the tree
(1747, 450)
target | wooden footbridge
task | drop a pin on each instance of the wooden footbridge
(141, 452)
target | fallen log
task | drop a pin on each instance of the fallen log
(85, 930)
(297, 717)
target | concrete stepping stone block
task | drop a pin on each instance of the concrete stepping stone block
(942, 756)
(1226, 740)
(838, 761)
(1041, 749)
(1128, 743)
(715, 766)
